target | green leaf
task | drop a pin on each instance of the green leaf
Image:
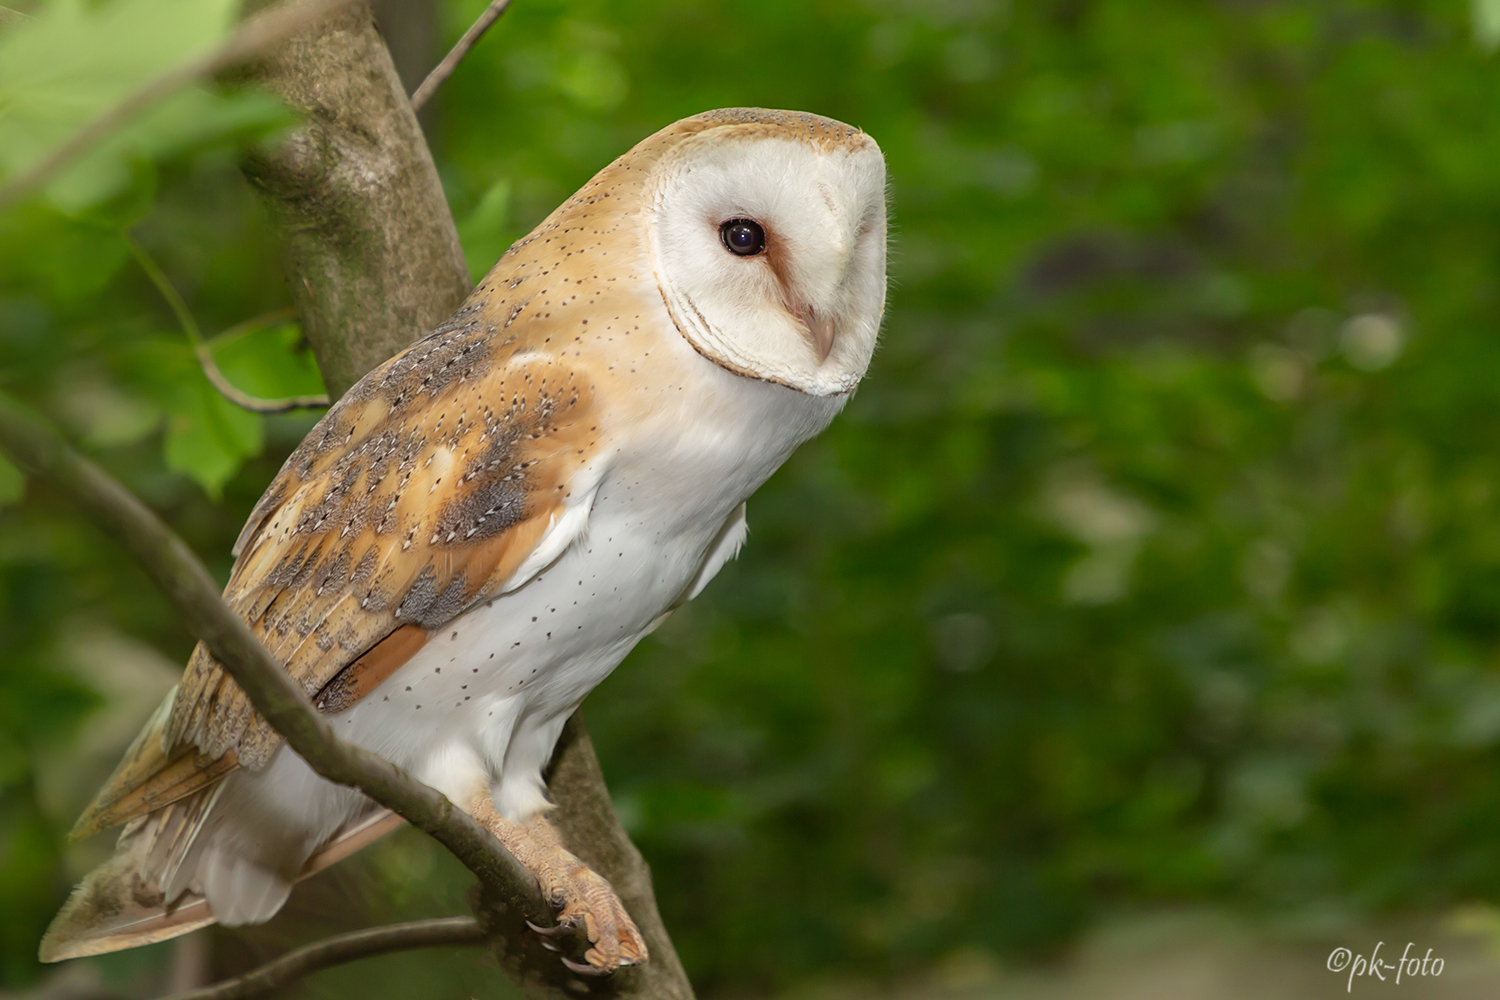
(209, 438)
(63, 68)
(269, 364)
(189, 120)
(62, 257)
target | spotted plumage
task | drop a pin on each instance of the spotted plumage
(485, 525)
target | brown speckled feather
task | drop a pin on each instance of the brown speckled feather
(415, 497)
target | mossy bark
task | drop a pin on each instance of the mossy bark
(372, 255)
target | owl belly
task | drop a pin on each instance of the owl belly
(479, 706)
(486, 697)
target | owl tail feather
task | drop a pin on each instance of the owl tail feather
(116, 906)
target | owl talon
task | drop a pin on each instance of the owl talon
(589, 907)
(596, 914)
(556, 930)
(582, 969)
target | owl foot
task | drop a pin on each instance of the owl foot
(585, 903)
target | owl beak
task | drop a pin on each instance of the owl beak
(820, 331)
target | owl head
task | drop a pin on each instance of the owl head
(766, 233)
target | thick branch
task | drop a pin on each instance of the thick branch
(372, 255)
(286, 970)
(174, 568)
(592, 831)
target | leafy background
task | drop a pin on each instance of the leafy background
(1155, 565)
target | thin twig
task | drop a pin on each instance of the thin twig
(455, 55)
(167, 559)
(204, 351)
(286, 970)
(166, 288)
(245, 401)
(255, 37)
(229, 335)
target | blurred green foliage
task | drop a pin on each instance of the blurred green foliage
(1158, 558)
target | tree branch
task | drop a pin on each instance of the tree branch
(286, 970)
(444, 69)
(593, 832)
(371, 253)
(256, 36)
(171, 564)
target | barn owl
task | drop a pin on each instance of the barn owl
(485, 525)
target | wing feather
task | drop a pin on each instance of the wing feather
(418, 495)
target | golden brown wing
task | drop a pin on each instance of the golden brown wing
(423, 489)
(148, 777)
(419, 494)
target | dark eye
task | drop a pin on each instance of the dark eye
(743, 237)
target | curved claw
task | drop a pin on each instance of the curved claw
(582, 969)
(554, 931)
(586, 905)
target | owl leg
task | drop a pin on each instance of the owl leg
(582, 897)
